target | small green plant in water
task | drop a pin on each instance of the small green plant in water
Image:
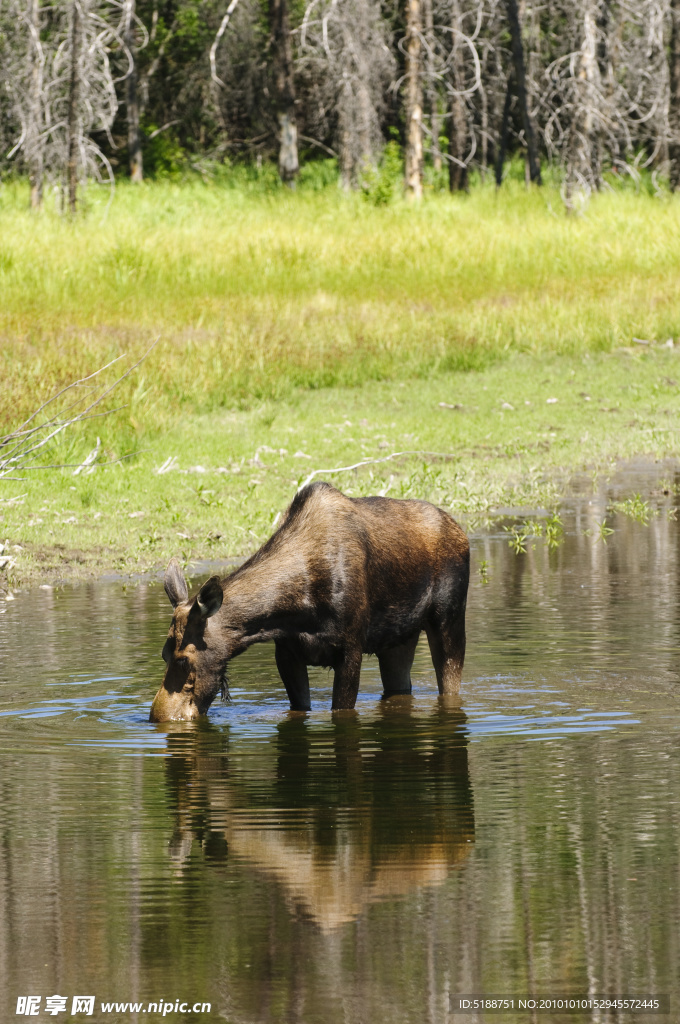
(603, 531)
(635, 508)
(554, 530)
(483, 570)
(518, 536)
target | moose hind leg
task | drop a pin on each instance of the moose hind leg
(346, 680)
(293, 671)
(447, 647)
(395, 667)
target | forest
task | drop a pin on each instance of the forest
(446, 89)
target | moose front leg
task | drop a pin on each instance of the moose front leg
(346, 681)
(293, 671)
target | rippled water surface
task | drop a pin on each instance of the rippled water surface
(366, 868)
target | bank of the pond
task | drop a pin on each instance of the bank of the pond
(501, 442)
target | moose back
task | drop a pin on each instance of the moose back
(339, 578)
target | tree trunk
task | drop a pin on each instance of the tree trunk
(674, 61)
(366, 158)
(284, 89)
(131, 100)
(431, 95)
(34, 143)
(520, 78)
(602, 22)
(345, 149)
(503, 138)
(583, 149)
(590, 76)
(458, 172)
(414, 102)
(485, 134)
(72, 119)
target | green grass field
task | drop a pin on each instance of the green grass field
(309, 330)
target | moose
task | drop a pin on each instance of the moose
(339, 578)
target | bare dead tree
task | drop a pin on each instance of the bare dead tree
(520, 81)
(23, 64)
(606, 96)
(605, 73)
(452, 72)
(281, 45)
(34, 125)
(72, 116)
(586, 117)
(344, 46)
(135, 157)
(414, 100)
(674, 98)
(458, 128)
(62, 89)
(504, 132)
(433, 99)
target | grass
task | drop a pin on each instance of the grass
(326, 330)
(255, 294)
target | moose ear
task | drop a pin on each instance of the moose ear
(210, 597)
(175, 584)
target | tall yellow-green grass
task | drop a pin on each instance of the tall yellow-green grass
(255, 293)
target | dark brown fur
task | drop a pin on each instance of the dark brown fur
(340, 577)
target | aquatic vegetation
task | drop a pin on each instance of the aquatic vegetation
(603, 531)
(518, 538)
(554, 530)
(635, 508)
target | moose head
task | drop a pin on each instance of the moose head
(195, 652)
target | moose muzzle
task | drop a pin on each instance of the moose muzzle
(176, 706)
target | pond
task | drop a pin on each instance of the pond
(522, 841)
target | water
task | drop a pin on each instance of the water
(364, 869)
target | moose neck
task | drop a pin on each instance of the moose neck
(258, 605)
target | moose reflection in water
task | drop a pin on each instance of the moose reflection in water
(344, 814)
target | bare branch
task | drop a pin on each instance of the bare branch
(371, 462)
(216, 42)
(24, 445)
